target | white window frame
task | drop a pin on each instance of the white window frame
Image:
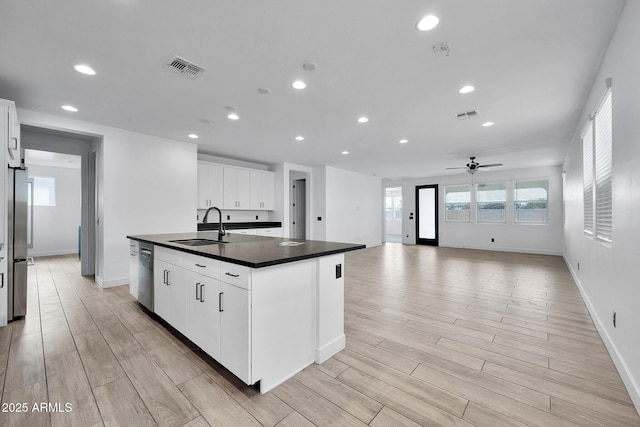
(598, 172)
(468, 210)
(516, 201)
(503, 201)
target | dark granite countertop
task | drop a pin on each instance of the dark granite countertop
(250, 251)
(238, 225)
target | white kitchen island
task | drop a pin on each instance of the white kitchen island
(262, 310)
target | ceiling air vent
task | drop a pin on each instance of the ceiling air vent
(186, 68)
(466, 115)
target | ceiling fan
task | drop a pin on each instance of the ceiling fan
(473, 166)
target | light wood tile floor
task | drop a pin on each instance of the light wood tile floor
(435, 336)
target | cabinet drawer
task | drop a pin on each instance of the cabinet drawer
(202, 265)
(133, 245)
(269, 232)
(249, 231)
(168, 255)
(236, 275)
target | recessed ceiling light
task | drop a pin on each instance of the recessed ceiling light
(403, 141)
(299, 138)
(85, 69)
(70, 108)
(345, 152)
(193, 136)
(298, 84)
(466, 89)
(309, 66)
(363, 119)
(264, 90)
(427, 23)
(233, 116)
(487, 124)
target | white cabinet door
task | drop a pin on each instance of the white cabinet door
(235, 318)
(249, 231)
(237, 194)
(161, 293)
(269, 232)
(203, 317)
(169, 298)
(262, 190)
(210, 185)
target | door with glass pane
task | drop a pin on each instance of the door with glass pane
(427, 215)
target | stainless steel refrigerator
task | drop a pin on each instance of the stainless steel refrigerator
(17, 243)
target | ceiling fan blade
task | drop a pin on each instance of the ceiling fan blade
(490, 165)
(463, 167)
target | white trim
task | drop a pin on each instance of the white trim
(34, 254)
(633, 388)
(502, 249)
(111, 283)
(328, 351)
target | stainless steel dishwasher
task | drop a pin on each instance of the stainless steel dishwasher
(145, 275)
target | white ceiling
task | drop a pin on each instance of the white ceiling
(532, 63)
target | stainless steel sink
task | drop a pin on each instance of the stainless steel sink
(197, 242)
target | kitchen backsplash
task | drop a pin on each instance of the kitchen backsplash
(236, 216)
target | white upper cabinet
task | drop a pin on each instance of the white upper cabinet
(237, 194)
(262, 190)
(235, 188)
(210, 186)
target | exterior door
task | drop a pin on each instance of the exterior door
(427, 215)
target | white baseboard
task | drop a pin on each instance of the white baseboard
(630, 383)
(325, 353)
(111, 283)
(53, 253)
(502, 249)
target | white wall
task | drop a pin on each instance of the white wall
(55, 228)
(608, 274)
(508, 236)
(353, 201)
(146, 185)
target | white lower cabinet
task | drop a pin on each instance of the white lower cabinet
(235, 324)
(169, 293)
(203, 315)
(134, 260)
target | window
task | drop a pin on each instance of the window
(397, 208)
(597, 157)
(530, 199)
(491, 201)
(44, 191)
(587, 177)
(457, 201)
(388, 208)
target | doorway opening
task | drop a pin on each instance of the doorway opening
(76, 146)
(298, 209)
(393, 215)
(427, 215)
(54, 203)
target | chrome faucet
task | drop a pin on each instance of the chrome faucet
(221, 231)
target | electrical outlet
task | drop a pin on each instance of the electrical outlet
(614, 319)
(578, 266)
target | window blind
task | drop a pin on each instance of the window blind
(491, 201)
(457, 199)
(603, 170)
(531, 201)
(587, 177)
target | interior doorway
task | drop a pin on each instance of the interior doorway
(298, 208)
(427, 215)
(84, 146)
(393, 215)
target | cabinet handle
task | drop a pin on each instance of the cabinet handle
(164, 277)
(15, 143)
(197, 298)
(202, 293)
(1, 280)
(200, 265)
(168, 271)
(232, 275)
(220, 302)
